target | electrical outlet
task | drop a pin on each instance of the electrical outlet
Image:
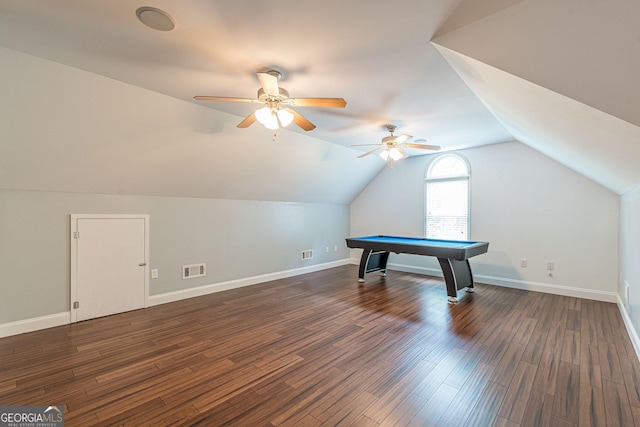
(326, 249)
(523, 263)
(335, 248)
(550, 265)
(154, 273)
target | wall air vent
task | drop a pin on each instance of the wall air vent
(194, 270)
(308, 254)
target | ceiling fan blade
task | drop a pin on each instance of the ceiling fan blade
(422, 146)
(248, 121)
(369, 152)
(404, 154)
(318, 102)
(365, 145)
(224, 98)
(402, 138)
(301, 121)
(269, 83)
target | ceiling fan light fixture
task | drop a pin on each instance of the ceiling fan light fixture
(393, 153)
(285, 117)
(272, 117)
(263, 114)
(268, 118)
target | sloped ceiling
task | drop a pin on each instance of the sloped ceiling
(488, 75)
(64, 129)
(598, 145)
(560, 76)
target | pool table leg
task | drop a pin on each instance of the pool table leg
(372, 261)
(457, 275)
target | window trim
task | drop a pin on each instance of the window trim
(428, 180)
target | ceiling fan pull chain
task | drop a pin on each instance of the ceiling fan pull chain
(274, 136)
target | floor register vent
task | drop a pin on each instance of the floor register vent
(194, 270)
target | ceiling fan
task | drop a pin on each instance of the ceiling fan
(276, 113)
(392, 146)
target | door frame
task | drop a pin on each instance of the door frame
(74, 254)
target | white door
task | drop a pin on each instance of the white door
(110, 265)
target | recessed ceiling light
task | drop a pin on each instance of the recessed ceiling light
(155, 18)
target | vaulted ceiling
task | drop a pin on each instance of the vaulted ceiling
(560, 77)
(557, 76)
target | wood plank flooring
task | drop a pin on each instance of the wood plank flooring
(323, 350)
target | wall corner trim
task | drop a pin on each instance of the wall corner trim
(631, 330)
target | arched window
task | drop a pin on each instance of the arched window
(447, 198)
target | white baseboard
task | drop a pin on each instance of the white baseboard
(238, 283)
(34, 324)
(548, 288)
(631, 330)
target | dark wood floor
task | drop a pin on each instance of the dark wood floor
(323, 350)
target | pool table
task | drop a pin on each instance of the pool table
(453, 256)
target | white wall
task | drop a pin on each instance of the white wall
(525, 205)
(237, 239)
(630, 255)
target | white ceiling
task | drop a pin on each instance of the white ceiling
(378, 55)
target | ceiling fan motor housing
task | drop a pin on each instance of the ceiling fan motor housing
(266, 97)
(389, 141)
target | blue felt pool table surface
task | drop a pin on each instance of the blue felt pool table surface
(453, 249)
